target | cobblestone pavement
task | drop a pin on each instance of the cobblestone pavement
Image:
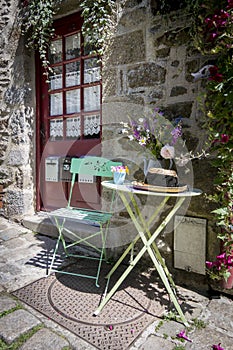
(21, 327)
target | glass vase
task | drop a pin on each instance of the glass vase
(118, 178)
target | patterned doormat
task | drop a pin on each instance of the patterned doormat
(70, 301)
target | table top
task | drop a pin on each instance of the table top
(128, 187)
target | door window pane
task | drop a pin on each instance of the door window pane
(56, 104)
(91, 125)
(73, 128)
(73, 74)
(56, 129)
(88, 47)
(91, 70)
(92, 98)
(55, 51)
(73, 101)
(73, 46)
(55, 78)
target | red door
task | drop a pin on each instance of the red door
(68, 116)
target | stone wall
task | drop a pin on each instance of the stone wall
(17, 121)
(148, 64)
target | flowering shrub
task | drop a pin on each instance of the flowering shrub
(220, 268)
(214, 36)
(214, 25)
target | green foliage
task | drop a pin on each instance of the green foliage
(159, 325)
(198, 324)
(171, 315)
(4, 313)
(37, 21)
(98, 23)
(179, 347)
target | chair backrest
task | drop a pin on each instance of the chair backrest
(90, 165)
(96, 166)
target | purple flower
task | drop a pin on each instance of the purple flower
(217, 347)
(146, 125)
(136, 134)
(176, 133)
(183, 336)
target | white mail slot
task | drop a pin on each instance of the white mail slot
(52, 169)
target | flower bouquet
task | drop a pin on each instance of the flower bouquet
(119, 173)
(155, 133)
(157, 137)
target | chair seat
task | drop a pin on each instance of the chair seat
(86, 216)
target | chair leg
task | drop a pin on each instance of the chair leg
(55, 252)
(102, 256)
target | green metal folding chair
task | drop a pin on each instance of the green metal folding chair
(96, 166)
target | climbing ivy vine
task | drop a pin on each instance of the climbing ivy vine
(37, 22)
(98, 23)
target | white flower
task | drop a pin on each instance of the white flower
(167, 152)
(124, 131)
(131, 137)
(141, 120)
(142, 141)
(183, 159)
(125, 125)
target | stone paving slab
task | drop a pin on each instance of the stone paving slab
(8, 234)
(7, 303)
(45, 339)
(223, 308)
(156, 343)
(15, 324)
(204, 339)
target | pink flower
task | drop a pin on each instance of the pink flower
(230, 4)
(224, 138)
(183, 336)
(212, 36)
(167, 152)
(209, 264)
(214, 74)
(218, 77)
(217, 347)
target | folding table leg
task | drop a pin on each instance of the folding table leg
(147, 247)
(164, 279)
